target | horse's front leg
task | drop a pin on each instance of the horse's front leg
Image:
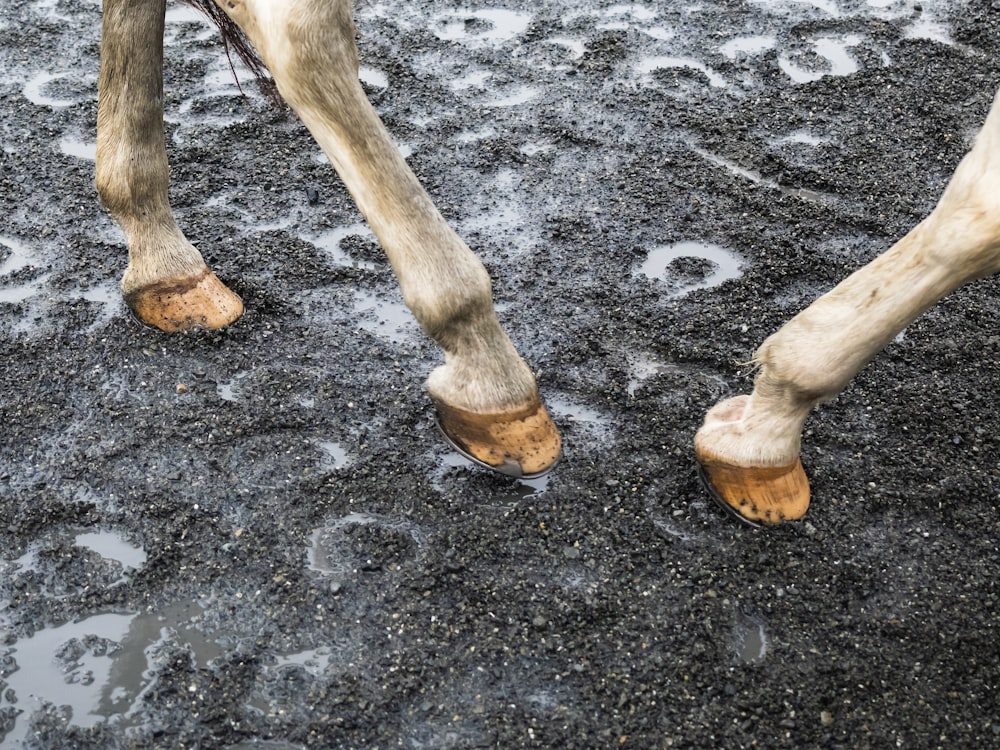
(167, 284)
(485, 394)
(748, 447)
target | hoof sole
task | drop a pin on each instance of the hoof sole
(180, 304)
(524, 443)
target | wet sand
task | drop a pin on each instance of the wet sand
(256, 538)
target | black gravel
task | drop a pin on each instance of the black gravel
(320, 571)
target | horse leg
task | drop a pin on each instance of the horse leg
(748, 446)
(486, 397)
(167, 284)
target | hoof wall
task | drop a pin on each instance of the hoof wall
(760, 495)
(180, 304)
(522, 443)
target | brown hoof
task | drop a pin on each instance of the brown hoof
(522, 443)
(180, 304)
(758, 495)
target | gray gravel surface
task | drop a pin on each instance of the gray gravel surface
(256, 538)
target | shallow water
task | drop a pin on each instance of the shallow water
(98, 668)
(750, 639)
(726, 264)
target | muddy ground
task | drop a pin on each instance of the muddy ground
(256, 538)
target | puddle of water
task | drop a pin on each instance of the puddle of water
(576, 48)
(334, 455)
(928, 27)
(747, 45)
(645, 67)
(78, 149)
(728, 265)
(108, 296)
(86, 651)
(314, 661)
(833, 51)
(523, 488)
(474, 136)
(596, 425)
(98, 667)
(503, 213)
(19, 257)
(329, 243)
(179, 15)
(641, 368)
(15, 294)
(26, 562)
(577, 412)
(34, 91)
(781, 6)
(519, 96)
(331, 553)
(803, 137)
(474, 80)
(614, 14)
(810, 195)
(750, 639)
(113, 546)
(386, 319)
(495, 26)
(227, 389)
(533, 148)
(373, 77)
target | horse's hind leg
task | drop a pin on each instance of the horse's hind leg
(485, 393)
(167, 283)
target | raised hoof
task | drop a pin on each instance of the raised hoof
(759, 495)
(522, 443)
(180, 304)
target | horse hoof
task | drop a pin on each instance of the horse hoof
(523, 443)
(757, 495)
(185, 302)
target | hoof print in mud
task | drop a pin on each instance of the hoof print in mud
(376, 548)
(360, 544)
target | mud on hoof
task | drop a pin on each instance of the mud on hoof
(185, 302)
(523, 443)
(757, 495)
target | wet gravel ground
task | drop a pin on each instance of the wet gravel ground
(256, 539)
